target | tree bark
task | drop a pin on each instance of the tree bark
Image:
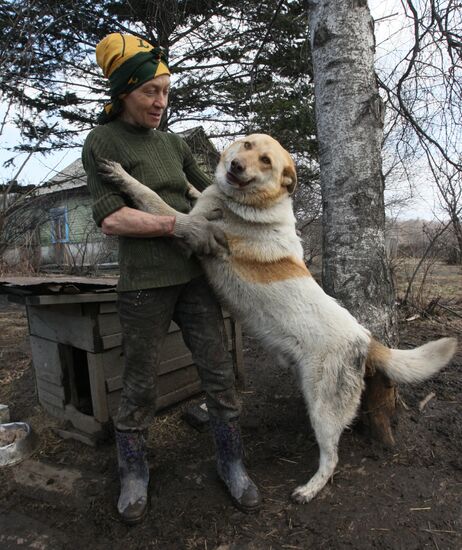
(349, 116)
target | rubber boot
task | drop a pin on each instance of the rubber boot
(134, 475)
(230, 467)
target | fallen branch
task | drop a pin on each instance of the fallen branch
(403, 403)
(424, 402)
(446, 308)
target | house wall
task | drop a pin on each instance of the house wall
(70, 236)
(58, 228)
(78, 217)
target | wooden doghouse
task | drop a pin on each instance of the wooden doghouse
(77, 357)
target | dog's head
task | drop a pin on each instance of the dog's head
(256, 170)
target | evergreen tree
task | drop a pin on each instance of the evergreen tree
(238, 67)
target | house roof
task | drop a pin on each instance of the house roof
(71, 177)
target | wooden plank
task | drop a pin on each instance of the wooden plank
(97, 387)
(163, 401)
(57, 412)
(107, 342)
(16, 298)
(175, 363)
(227, 323)
(173, 343)
(81, 421)
(113, 402)
(178, 395)
(56, 280)
(46, 397)
(46, 359)
(108, 307)
(59, 299)
(49, 387)
(89, 309)
(168, 383)
(173, 346)
(63, 324)
(113, 362)
(108, 323)
(114, 382)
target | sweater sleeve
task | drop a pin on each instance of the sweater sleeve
(106, 198)
(190, 167)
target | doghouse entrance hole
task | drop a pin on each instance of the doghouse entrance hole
(76, 380)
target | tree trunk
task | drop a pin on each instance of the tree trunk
(349, 116)
(458, 232)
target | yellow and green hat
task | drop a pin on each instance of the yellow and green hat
(128, 62)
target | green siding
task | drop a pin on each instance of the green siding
(81, 225)
(79, 218)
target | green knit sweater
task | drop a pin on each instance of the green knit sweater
(163, 162)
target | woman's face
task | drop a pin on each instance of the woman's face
(145, 105)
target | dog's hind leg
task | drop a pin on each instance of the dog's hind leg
(328, 429)
(332, 403)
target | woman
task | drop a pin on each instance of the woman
(158, 281)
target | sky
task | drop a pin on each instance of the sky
(39, 168)
(394, 38)
(391, 39)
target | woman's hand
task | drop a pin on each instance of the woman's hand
(201, 236)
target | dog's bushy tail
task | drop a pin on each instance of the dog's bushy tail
(413, 365)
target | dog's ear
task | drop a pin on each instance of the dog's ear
(289, 178)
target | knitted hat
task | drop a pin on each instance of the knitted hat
(128, 62)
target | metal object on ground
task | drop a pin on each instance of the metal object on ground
(17, 442)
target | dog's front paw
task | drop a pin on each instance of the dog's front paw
(302, 495)
(214, 215)
(192, 193)
(111, 171)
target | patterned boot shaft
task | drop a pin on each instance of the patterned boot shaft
(230, 465)
(134, 475)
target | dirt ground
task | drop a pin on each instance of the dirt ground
(409, 497)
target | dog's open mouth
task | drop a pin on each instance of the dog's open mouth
(233, 180)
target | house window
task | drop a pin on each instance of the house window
(59, 225)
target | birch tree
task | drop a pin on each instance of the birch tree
(349, 117)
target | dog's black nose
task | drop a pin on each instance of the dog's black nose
(236, 166)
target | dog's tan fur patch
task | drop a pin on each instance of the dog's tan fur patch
(269, 272)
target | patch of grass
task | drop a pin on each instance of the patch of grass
(434, 280)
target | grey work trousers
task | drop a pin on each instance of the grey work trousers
(145, 316)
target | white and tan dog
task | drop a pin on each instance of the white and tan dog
(266, 285)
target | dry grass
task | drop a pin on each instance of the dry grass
(435, 281)
(13, 363)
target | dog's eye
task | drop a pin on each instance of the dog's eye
(265, 159)
(247, 145)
